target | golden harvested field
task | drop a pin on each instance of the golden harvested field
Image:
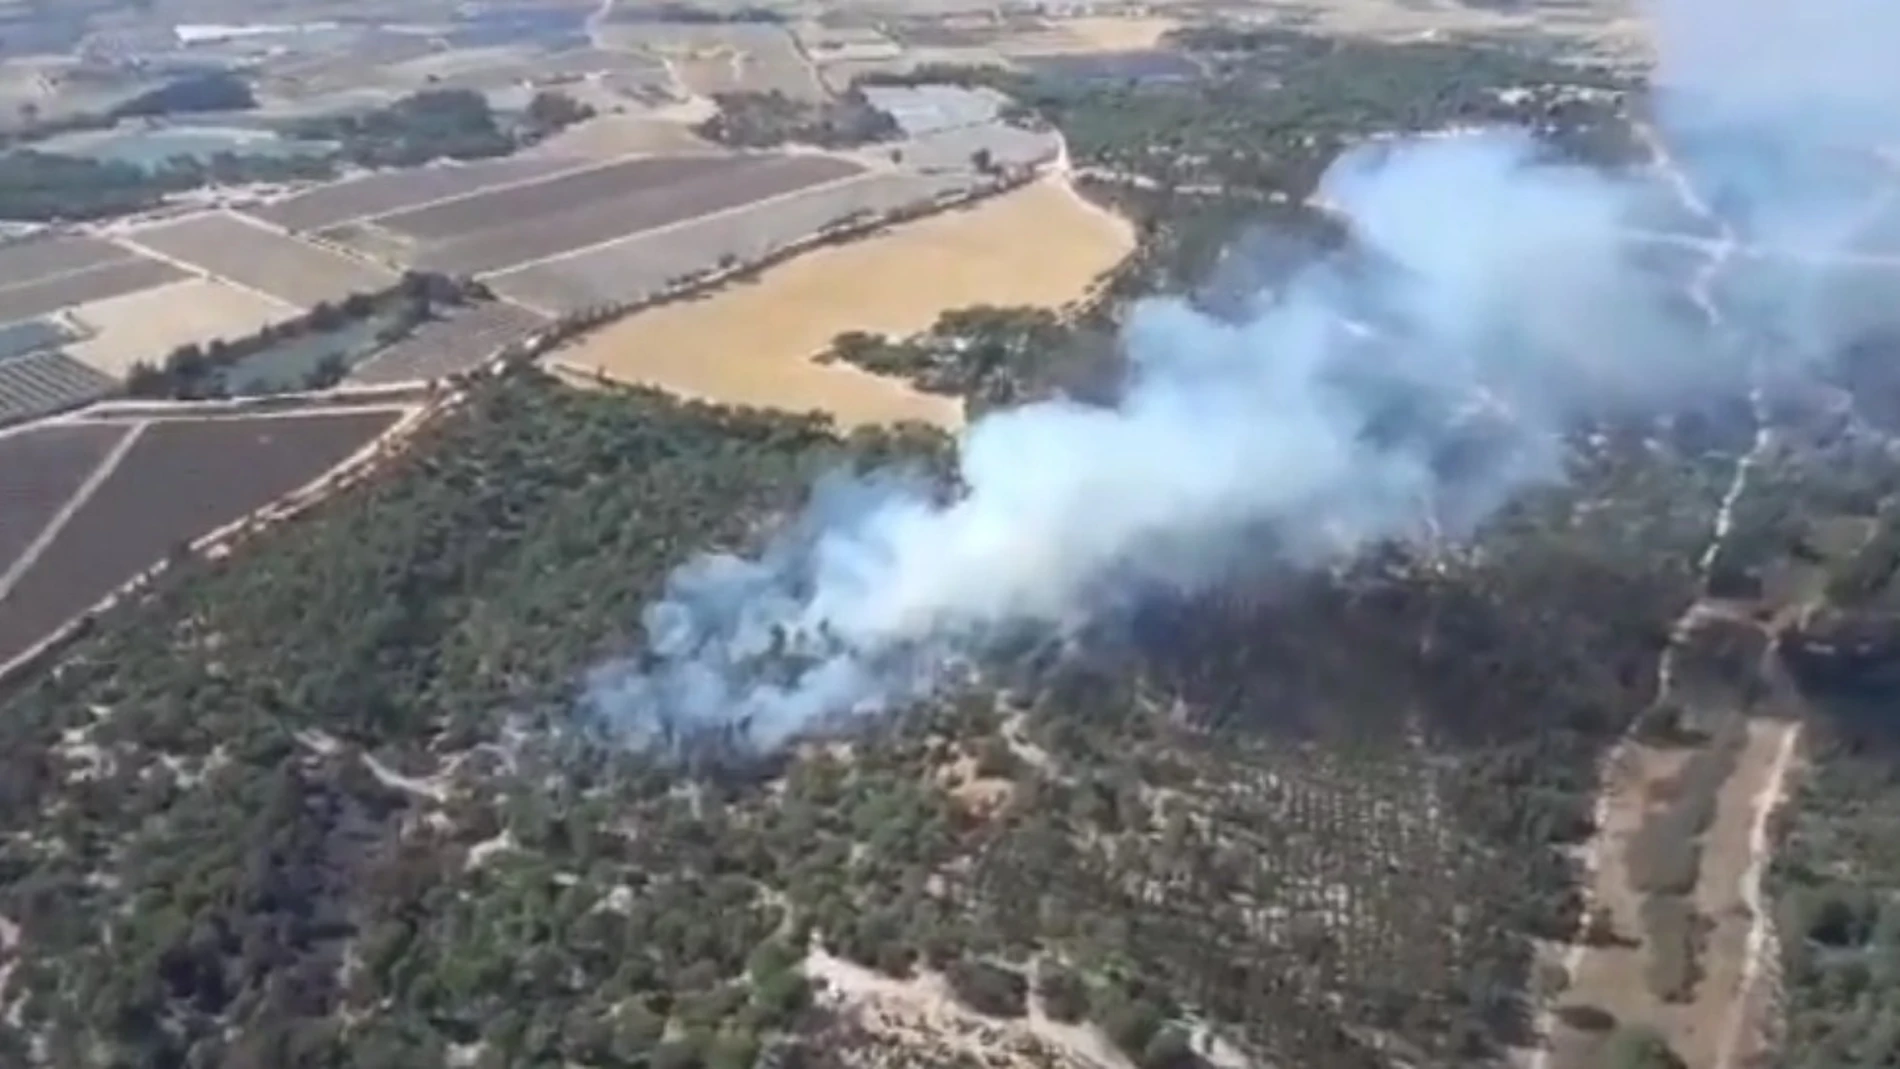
(1092, 34)
(608, 137)
(149, 324)
(753, 343)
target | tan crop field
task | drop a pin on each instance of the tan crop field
(149, 324)
(1106, 33)
(754, 343)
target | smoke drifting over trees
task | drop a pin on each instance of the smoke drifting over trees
(1491, 299)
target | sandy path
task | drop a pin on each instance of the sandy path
(1745, 1006)
(752, 343)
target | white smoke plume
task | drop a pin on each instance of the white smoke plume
(1493, 299)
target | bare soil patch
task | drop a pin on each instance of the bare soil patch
(1105, 33)
(149, 324)
(1617, 977)
(754, 343)
(609, 137)
(922, 1014)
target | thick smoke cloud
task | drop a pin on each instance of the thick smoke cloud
(1492, 298)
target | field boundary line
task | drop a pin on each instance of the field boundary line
(836, 183)
(74, 502)
(71, 274)
(292, 413)
(130, 241)
(340, 476)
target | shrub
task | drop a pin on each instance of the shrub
(1064, 996)
(1168, 1048)
(1586, 1018)
(1640, 1047)
(1674, 931)
(989, 989)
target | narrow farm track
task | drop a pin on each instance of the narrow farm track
(1786, 737)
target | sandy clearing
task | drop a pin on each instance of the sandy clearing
(1612, 28)
(1702, 1029)
(1092, 33)
(609, 137)
(922, 1009)
(149, 324)
(752, 343)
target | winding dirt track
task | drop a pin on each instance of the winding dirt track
(1722, 1022)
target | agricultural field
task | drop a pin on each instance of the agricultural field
(576, 191)
(753, 344)
(47, 381)
(955, 150)
(40, 467)
(443, 347)
(148, 324)
(726, 58)
(180, 479)
(507, 231)
(44, 276)
(644, 265)
(391, 191)
(229, 247)
(1147, 65)
(43, 257)
(31, 335)
(611, 137)
(1084, 36)
(927, 109)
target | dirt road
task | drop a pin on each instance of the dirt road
(1718, 1022)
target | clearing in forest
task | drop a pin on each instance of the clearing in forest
(753, 343)
(1620, 974)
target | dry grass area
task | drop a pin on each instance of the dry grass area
(1092, 34)
(1609, 27)
(149, 324)
(752, 343)
(609, 137)
(1614, 977)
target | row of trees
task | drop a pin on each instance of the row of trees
(196, 372)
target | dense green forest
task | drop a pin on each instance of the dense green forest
(770, 119)
(328, 803)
